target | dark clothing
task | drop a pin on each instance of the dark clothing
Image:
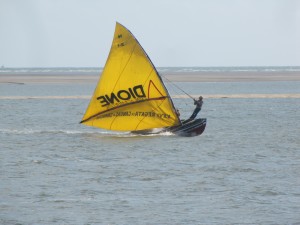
(198, 104)
(196, 111)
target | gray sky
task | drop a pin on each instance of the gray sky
(61, 33)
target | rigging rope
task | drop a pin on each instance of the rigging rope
(182, 100)
(177, 86)
(176, 92)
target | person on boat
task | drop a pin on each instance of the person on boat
(198, 104)
(177, 112)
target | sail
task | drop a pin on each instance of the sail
(130, 94)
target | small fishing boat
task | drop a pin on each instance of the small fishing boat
(131, 96)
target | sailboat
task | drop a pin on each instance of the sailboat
(131, 96)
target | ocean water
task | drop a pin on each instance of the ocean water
(244, 168)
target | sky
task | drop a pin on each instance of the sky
(204, 33)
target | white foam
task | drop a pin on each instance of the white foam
(33, 131)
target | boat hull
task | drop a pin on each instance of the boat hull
(188, 128)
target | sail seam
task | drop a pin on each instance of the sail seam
(150, 82)
(153, 67)
(125, 66)
(121, 75)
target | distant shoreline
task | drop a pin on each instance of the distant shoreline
(199, 76)
(206, 96)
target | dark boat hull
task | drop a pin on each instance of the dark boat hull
(188, 128)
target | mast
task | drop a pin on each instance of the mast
(166, 90)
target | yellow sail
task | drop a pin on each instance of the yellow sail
(130, 95)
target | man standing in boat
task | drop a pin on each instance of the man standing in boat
(177, 112)
(198, 104)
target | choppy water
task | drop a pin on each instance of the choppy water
(244, 169)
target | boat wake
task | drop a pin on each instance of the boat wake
(166, 133)
(32, 131)
(99, 133)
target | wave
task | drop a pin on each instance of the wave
(33, 131)
(230, 69)
(97, 70)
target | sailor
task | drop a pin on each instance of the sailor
(198, 104)
(177, 112)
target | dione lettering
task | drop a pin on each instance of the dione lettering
(122, 95)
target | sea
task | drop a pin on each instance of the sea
(244, 168)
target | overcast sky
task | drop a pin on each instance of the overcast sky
(62, 33)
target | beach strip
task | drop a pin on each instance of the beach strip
(218, 96)
(54, 78)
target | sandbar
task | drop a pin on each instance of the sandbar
(77, 78)
(206, 96)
